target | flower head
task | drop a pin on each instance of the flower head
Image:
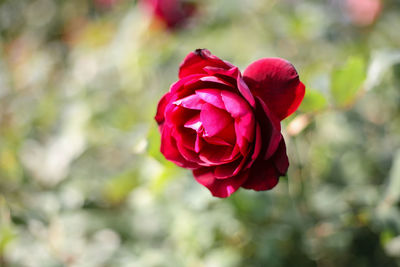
(225, 127)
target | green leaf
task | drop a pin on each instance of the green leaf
(313, 101)
(347, 81)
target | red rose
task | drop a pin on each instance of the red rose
(172, 13)
(225, 127)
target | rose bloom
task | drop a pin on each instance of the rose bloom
(170, 13)
(225, 127)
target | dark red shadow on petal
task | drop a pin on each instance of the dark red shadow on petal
(280, 158)
(263, 176)
(270, 129)
(170, 151)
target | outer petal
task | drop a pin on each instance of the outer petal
(232, 72)
(263, 176)
(277, 83)
(180, 88)
(270, 129)
(280, 158)
(161, 108)
(197, 60)
(219, 187)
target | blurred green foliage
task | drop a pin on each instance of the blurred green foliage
(82, 182)
(313, 101)
(347, 81)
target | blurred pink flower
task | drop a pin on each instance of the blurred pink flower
(363, 12)
(171, 13)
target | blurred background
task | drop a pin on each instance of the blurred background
(82, 181)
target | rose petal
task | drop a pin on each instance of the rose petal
(215, 140)
(270, 128)
(177, 115)
(178, 88)
(211, 96)
(199, 144)
(233, 168)
(215, 79)
(185, 143)
(232, 72)
(236, 76)
(189, 144)
(277, 83)
(257, 147)
(263, 176)
(184, 137)
(234, 104)
(190, 155)
(161, 108)
(197, 60)
(206, 83)
(194, 123)
(216, 155)
(219, 187)
(241, 141)
(214, 119)
(191, 102)
(245, 91)
(226, 137)
(244, 119)
(244, 126)
(228, 170)
(280, 158)
(170, 151)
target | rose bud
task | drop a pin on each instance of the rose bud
(170, 13)
(225, 127)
